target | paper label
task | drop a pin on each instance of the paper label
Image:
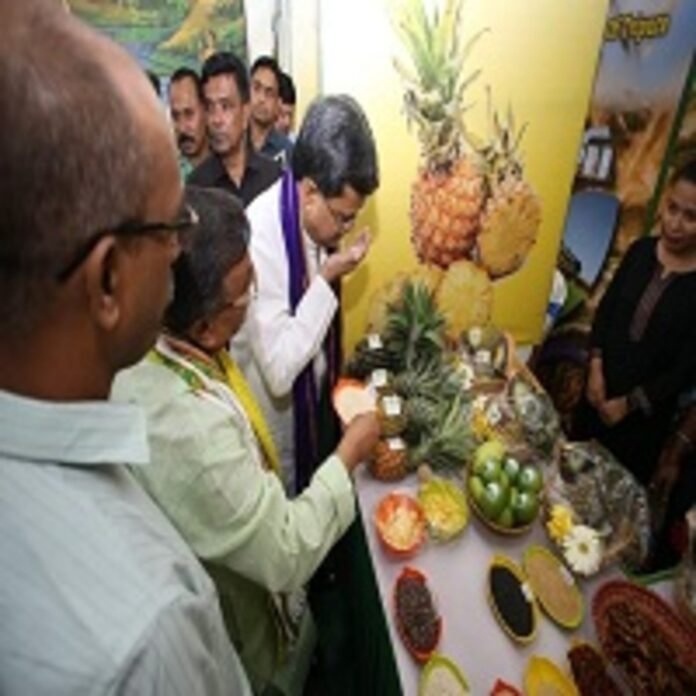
(475, 336)
(396, 444)
(392, 405)
(483, 357)
(374, 341)
(379, 378)
(494, 415)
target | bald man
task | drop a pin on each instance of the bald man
(98, 593)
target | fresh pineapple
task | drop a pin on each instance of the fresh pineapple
(414, 330)
(450, 444)
(512, 213)
(448, 196)
(390, 293)
(389, 460)
(422, 417)
(465, 297)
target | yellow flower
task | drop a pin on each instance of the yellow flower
(560, 523)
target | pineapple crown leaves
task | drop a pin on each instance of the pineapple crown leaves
(415, 327)
(451, 443)
(436, 82)
(500, 153)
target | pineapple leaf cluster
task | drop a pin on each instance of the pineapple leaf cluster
(435, 81)
(415, 328)
(449, 444)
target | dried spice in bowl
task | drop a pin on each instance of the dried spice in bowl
(417, 619)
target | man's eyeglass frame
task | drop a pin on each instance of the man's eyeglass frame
(131, 229)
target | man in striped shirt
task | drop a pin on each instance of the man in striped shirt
(98, 594)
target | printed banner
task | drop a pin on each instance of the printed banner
(478, 108)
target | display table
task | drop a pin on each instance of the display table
(457, 575)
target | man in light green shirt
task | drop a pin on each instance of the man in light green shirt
(215, 470)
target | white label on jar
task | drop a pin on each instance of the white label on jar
(392, 405)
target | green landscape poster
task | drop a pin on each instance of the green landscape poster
(166, 34)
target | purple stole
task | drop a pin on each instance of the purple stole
(305, 391)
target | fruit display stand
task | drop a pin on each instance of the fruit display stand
(457, 573)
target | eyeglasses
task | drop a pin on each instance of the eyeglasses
(343, 220)
(185, 223)
(243, 301)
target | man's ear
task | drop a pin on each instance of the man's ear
(202, 334)
(103, 274)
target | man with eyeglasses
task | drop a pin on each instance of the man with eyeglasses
(215, 468)
(98, 592)
(232, 165)
(297, 227)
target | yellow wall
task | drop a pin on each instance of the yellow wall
(540, 56)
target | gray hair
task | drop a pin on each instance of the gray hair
(217, 245)
(335, 147)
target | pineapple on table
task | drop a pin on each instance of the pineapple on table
(448, 195)
(389, 294)
(389, 460)
(415, 328)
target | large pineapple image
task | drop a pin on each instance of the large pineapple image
(470, 199)
(512, 213)
(448, 195)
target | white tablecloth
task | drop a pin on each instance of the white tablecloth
(457, 576)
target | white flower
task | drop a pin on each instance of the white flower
(582, 549)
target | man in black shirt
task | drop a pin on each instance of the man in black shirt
(232, 165)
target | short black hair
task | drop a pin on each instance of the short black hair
(186, 73)
(286, 89)
(685, 172)
(269, 63)
(219, 243)
(71, 158)
(335, 147)
(227, 63)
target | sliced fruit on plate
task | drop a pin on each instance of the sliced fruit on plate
(441, 677)
(542, 677)
(417, 619)
(554, 586)
(445, 507)
(352, 398)
(400, 524)
(502, 688)
(511, 600)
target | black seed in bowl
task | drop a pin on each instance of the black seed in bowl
(511, 602)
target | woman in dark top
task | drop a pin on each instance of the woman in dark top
(643, 342)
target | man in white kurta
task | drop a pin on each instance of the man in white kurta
(334, 169)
